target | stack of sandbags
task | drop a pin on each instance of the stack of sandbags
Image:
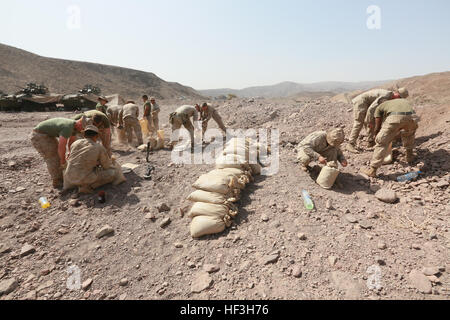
(217, 190)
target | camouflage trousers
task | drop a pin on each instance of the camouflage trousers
(406, 126)
(47, 147)
(95, 180)
(177, 122)
(331, 155)
(359, 115)
(132, 124)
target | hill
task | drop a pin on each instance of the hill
(17, 67)
(287, 89)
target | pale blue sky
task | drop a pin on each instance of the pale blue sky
(238, 43)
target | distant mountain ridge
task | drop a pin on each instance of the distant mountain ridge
(288, 88)
(18, 67)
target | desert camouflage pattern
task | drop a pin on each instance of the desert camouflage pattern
(47, 147)
(316, 145)
(214, 114)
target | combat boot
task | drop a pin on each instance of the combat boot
(57, 183)
(371, 172)
(352, 148)
(409, 156)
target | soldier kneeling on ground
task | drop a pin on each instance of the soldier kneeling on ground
(89, 165)
(323, 147)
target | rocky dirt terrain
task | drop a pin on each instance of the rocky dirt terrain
(137, 245)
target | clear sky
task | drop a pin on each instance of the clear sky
(210, 44)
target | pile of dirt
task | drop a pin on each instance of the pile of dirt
(137, 245)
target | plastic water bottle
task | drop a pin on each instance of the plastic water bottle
(409, 176)
(309, 204)
(44, 202)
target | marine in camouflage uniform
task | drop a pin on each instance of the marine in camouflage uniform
(101, 105)
(89, 165)
(128, 118)
(399, 118)
(113, 115)
(50, 139)
(181, 117)
(104, 126)
(322, 146)
(208, 112)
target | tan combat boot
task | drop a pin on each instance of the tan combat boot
(409, 156)
(371, 172)
(352, 148)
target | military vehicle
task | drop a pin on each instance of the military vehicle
(90, 89)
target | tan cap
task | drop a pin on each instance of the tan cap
(403, 92)
(91, 128)
(152, 98)
(335, 137)
(83, 120)
(102, 98)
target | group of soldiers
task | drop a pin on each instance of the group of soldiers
(75, 159)
(387, 116)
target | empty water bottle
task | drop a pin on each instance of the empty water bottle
(409, 176)
(44, 202)
(309, 204)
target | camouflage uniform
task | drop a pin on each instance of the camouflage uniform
(82, 166)
(317, 144)
(113, 115)
(181, 117)
(212, 113)
(151, 113)
(398, 118)
(128, 117)
(361, 104)
(105, 131)
(101, 108)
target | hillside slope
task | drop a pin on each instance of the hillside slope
(17, 67)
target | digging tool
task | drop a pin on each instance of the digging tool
(150, 168)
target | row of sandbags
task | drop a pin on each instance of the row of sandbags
(217, 191)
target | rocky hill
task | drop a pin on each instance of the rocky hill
(17, 67)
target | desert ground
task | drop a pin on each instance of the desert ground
(275, 249)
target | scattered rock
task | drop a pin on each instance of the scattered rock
(163, 208)
(351, 218)
(150, 216)
(380, 260)
(415, 246)
(381, 245)
(264, 218)
(386, 195)
(74, 203)
(420, 281)
(329, 205)
(332, 260)
(211, 268)
(165, 222)
(8, 286)
(301, 236)
(123, 282)
(201, 282)
(63, 231)
(27, 250)
(297, 272)
(431, 271)
(178, 245)
(86, 284)
(442, 183)
(105, 231)
(32, 295)
(271, 258)
(365, 224)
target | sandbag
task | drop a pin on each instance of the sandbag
(211, 197)
(204, 225)
(327, 177)
(216, 183)
(231, 161)
(208, 209)
(144, 127)
(255, 168)
(241, 178)
(119, 174)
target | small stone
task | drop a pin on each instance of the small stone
(150, 216)
(105, 231)
(415, 246)
(86, 284)
(264, 218)
(272, 258)
(211, 268)
(12, 164)
(191, 265)
(297, 272)
(380, 261)
(301, 236)
(163, 207)
(57, 295)
(201, 282)
(27, 250)
(371, 215)
(165, 222)
(332, 260)
(431, 271)
(329, 205)
(381, 245)
(178, 245)
(123, 282)
(351, 218)
(74, 203)
(420, 281)
(8, 286)
(386, 195)
(32, 295)
(63, 231)
(365, 224)
(123, 296)
(434, 279)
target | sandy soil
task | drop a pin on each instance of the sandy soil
(330, 253)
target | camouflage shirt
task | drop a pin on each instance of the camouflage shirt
(316, 143)
(101, 108)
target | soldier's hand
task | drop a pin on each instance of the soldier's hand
(344, 163)
(322, 160)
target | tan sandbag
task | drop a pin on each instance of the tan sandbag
(119, 174)
(237, 150)
(216, 183)
(327, 177)
(210, 197)
(205, 225)
(144, 127)
(208, 209)
(256, 169)
(160, 140)
(231, 161)
(242, 178)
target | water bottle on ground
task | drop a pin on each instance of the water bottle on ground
(409, 176)
(309, 204)
(44, 202)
